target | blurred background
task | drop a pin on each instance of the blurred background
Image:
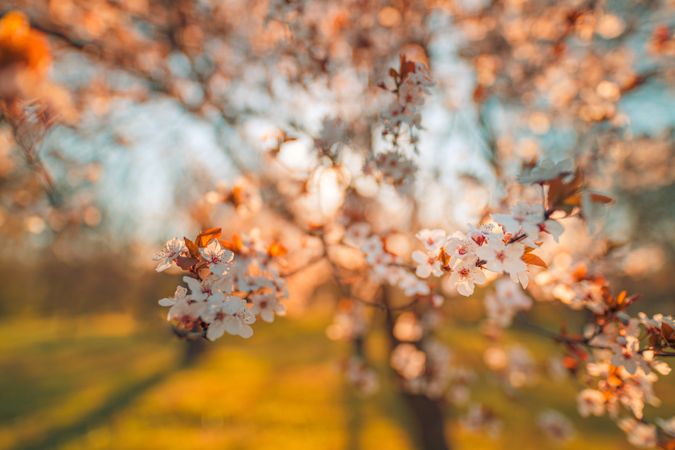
(153, 107)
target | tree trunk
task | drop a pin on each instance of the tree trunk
(427, 413)
(193, 350)
(429, 420)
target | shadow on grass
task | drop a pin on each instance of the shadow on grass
(116, 402)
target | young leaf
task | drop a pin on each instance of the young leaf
(206, 236)
(185, 263)
(276, 249)
(531, 258)
(599, 198)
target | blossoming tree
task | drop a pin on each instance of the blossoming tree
(350, 96)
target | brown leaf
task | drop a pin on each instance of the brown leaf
(599, 198)
(562, 195)
(185, 263)
(192, 248)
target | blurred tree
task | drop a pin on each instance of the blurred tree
(318, 108)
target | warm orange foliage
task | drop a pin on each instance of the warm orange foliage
(21, 45)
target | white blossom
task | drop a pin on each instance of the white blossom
(501, 257)
(591, 402)
(639, 434)
(171, 251)
(266, 306)
(426, 265)
(230, 315)
(217, 257)
(465, 275)
(547, 170)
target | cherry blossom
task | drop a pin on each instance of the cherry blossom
(432, 240)
(591, 402)
(266, 306)
(217, 257)
(171, 251)
(203, 290)
(180, 295)
(524, 219)
(458, 246)
(503, 304)
(528, 221)
(626, 353)
(357, 233)
(185, 314)
(426, 265)
(410, 284)
(396, 169)
(639, 434)
(465, 275)
(501, 257)
(230, 315)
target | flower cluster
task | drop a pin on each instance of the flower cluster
(619, 355)
(642, 435)
(411, 85)
(384, 265)
(494, 247)
(395, 168)
(622, 368)
(229, 284)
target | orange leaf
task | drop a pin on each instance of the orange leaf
(235, 244)
(276, 249)
(570, 362)
(573, 200)
(206, 236)
(531, 258)
(19, 43)
(445, 258)
(621, 297)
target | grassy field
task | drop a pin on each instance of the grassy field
(103, 382)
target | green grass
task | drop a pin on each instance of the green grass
(103, 382)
